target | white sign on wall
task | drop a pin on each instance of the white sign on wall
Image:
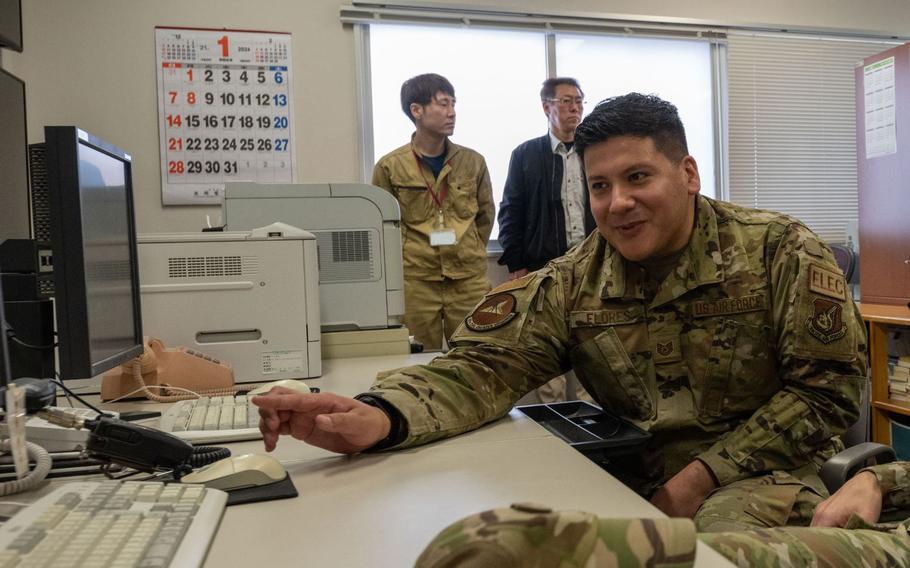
(224, 106)
(880, 107)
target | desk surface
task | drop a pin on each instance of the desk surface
(382, 509)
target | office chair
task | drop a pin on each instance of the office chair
(846, 260)
(837, 470)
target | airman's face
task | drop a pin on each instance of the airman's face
(642, 201)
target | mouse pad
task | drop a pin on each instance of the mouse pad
(283, 489)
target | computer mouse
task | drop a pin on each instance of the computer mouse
(292, 384)
(238, 472)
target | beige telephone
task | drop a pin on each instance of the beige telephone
(159, 366)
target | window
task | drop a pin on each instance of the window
(496, 75)
(678, 71)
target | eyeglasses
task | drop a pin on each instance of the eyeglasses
(568, 101)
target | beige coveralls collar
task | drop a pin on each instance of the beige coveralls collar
(452, 150)
(701, 263)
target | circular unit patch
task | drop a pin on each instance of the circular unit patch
(494, 312)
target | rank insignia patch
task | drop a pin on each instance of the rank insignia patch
(826, 323)
(666, 349)
(496, 311)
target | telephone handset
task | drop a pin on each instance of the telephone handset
(159, 366)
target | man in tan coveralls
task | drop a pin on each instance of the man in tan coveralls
(724, 331)
(447, 213)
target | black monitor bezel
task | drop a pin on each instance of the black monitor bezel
(71, 300)
(14, 43)
(26, 194)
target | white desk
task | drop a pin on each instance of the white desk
(383, 509)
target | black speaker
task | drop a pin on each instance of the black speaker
(41, 209)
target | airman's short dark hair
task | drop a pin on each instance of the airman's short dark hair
(634, 114)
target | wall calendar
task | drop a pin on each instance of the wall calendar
(224, 106)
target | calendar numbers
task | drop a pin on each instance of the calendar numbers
(225, 111)
(223, 42)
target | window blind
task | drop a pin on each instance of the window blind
(792, 126)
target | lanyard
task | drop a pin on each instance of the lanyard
(437, 198)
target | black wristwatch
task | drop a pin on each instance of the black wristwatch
(398, 431)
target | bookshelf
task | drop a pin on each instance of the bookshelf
(879, 318)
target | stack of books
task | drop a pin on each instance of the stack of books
(899, 378)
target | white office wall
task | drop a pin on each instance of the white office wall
(91, 63)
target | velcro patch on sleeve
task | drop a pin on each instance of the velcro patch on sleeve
(814, 248)
(827, 282)
(516, 284)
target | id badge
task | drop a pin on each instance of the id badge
(442, 237)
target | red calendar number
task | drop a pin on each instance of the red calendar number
(189, 75)
(175, 143)
(191, 98)
(223, 42)
(175, 167)
(173, 95)
(174, 120)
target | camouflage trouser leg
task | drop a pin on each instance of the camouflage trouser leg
(774, 500)
(792, 547)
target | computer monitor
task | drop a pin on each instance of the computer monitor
(93, 237)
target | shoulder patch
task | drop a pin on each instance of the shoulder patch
(827, 282)
(495, 311)
(516, 284)
(826, 323)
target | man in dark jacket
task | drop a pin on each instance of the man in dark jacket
(544, 209)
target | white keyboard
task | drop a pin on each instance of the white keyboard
(118, 524)
(210, 420)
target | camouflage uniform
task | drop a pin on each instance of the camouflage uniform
(531, 535)
(748, 356)
(440, 282)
